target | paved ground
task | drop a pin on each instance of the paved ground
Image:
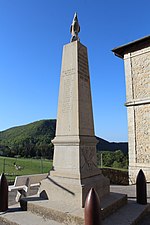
(3, 223)
(11, 197)
(129, 190)
(145, 221)
(11, 201)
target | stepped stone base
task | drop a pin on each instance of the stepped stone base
(69, 214)
(73, 191)
(128, 214)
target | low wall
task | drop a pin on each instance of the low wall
(116, 176)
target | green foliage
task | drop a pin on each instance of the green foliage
(115, 159)
(32, 140)
(26, 166)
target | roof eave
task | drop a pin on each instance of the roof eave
(131, 46)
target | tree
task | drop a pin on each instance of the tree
(115, 159)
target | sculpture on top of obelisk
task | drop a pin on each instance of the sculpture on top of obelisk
(75, 29)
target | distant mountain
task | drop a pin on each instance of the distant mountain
(104, 145)
(34, 140)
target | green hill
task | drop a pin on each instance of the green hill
(34, 140)
(104, 145)
(31, 140)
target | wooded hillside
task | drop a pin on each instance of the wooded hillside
(34, 140)
(31, 140)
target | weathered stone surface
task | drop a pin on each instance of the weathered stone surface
(137, 69)
(143, 133)
(115, 176)
(141, 75)
(75, 169)
(136, 57)
(75, 142)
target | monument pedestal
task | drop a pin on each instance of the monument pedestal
(75, 169)
(73, 191)
(75, 172)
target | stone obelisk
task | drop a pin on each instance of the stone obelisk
(74, 165)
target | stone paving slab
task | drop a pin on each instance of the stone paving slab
(14, 216)
(3, 223)
(130, 190)
(129, 214)
(145, 220)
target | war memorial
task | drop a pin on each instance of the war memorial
(74, 163)
(62, 194)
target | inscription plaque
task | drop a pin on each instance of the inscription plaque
(68, 78)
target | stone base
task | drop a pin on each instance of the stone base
(70, 214)
(73, 191)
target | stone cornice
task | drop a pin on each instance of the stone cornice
(132, 47)
(137, 102)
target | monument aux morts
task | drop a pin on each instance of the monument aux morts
(74, 164)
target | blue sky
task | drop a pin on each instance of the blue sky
(32, 35)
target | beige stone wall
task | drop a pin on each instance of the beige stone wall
(131, 136)
(141, 75)
(137, 70)
(142, 122)
(116, 176)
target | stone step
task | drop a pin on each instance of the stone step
(68, 214)
(129, 214)
(15, 216)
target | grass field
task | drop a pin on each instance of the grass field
(25, 166)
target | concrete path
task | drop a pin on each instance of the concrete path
(130, 190)
(145, 220)
(25, 218)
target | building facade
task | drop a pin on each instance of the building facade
(136, 57)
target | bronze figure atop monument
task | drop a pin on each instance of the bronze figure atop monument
(75, 29)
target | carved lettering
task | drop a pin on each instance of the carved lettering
(68, 76)
(83, 65)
